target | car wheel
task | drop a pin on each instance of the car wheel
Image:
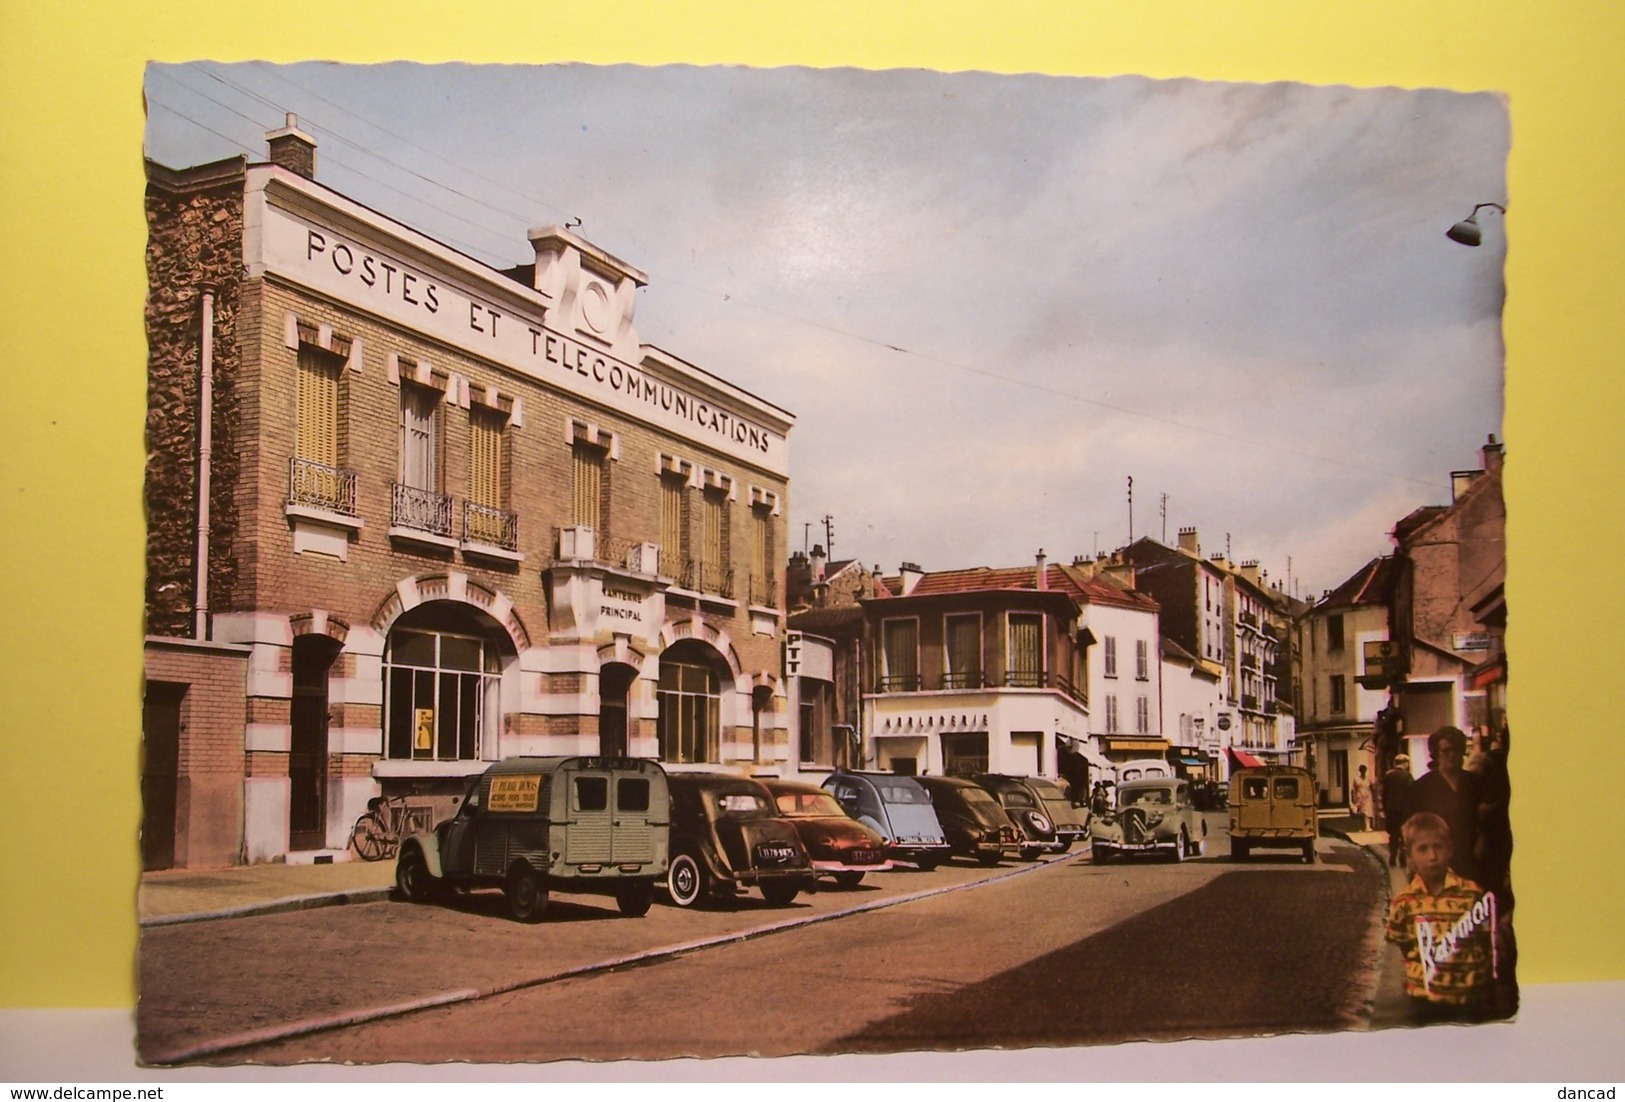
(929, 864)
(686, 881)
(1099, 854)
(1031, 853)
(1181, 846)
(849, 879)
(1309, 852)
(526, 892)
(780, 893)
(412, 877)
(988, 859)
(635, 897)
(1238, 850)
(1064, 845)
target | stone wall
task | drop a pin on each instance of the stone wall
(194, 242)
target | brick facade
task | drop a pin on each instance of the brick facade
(550, 609)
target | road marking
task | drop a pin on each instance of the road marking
(324, 1023)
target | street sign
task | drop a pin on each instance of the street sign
(1383, 665)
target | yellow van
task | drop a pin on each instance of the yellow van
(1272, 805)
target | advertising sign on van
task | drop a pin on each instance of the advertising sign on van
(518, 792)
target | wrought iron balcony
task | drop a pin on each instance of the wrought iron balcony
(706, 577)
(1249, 661)
(318, 486)
(967, 679)
(492, 527)
(764, 592)
(1248, 619)
(421, 511)
(1249, 702)
(899, 683)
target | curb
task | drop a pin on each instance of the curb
(307, 1026)
(1360, 1010)
(275, 906)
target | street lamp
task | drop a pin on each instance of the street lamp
(1467, 232)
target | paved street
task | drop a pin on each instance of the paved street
(1062, 953)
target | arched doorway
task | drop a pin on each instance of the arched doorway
(313, 657)
(615, 681)
(442, 679)
(690, 697)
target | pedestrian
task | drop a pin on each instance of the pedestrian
(1444, 926)
(1451, 793)
(1099, 804)
(1396, 790)
(1360, 800)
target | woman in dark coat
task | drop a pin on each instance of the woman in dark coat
(1453, 794)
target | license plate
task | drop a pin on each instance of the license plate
(776, 852)
(863, 857)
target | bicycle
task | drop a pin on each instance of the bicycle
(376, 835)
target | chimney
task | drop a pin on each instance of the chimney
(293, 149)
(1249, 570)
(1187, 542)
(1493, 454)
(1043, 569)
(816, 562)
(910, 575)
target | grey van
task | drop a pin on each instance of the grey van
(532, 826)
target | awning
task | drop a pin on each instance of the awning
(1240, 759)
(1491, 672)
(1138, 746)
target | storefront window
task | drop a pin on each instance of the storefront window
(690, 708)
(438, 688)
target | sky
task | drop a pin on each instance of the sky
(990, 301)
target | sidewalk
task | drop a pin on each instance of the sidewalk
(1388, 1007)
(187, 895)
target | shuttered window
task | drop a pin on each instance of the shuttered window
(485, 462)
(673, 523)
(419, 438)
(317, 437)
(902, 655)
(714, 538)
(586, 502)
(1027, 651)
(964, 652)
(761, 567)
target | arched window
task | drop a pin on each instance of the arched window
(690, 704)
(442, 670)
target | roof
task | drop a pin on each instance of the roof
(1177, 653)
(1066, 580)
(826, 619)
(1372, 584)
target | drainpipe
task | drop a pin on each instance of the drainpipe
(205, 448)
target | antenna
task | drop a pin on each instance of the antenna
(1227, 546)
(806, 538)
(1165, 519)
(829, 536)
(1131, 508)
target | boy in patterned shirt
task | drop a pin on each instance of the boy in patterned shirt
(1445, 926)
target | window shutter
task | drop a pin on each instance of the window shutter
(588, 486)
(671, 523)
(317, 437)
(485, 472)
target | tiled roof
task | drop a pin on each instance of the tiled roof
(1171, 649)
(1372, 584)
(1062, 579)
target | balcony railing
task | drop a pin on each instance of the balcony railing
(1249, 702)
(764, 592)
(1249, 661)
(707, 577)
(580, 542)
(492, 527)
(318, 486)
(421, 511)
(1248, 619)
(1013, 679)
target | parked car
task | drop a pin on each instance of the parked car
(839, 845)
(532, 826)
(1045, 818)
(1152, 815)
(727, 836)
(975, 824)
(1272, 805)
(897, 808)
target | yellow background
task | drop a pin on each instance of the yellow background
(73, 356)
